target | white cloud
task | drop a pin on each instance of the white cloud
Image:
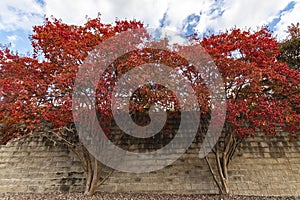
(74, 11)
(149, 12)
(23, 14)
(288, 17)
(11, 39)
(246, 14)
(19, 14)
(178, 11)
(243, 14)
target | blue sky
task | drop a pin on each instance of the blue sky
(18, 16)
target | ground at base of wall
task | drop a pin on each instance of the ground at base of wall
(131, 196)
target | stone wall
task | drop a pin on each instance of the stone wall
(36, 164)
(263, 165)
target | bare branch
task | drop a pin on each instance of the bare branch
(213, 173)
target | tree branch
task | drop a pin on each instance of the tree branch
(213, 173)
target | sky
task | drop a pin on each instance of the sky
(17, 17)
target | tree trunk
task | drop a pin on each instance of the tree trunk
(223, 152)
(89, 176)
(92, 179)
(95, 172)
(219, 177)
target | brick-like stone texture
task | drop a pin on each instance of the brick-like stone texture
(36, 164)
(264, 165)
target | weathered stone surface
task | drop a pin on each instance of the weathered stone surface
(263, 165)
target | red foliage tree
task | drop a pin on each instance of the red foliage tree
(37, 96)
(23, 94)
(261, 92)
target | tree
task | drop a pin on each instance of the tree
(289, 47)
(23, 94)
(289, 51)
(261, 92)
(37, 96)
(42, 91)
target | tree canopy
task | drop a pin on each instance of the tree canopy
(262, 93)
(290, 47)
